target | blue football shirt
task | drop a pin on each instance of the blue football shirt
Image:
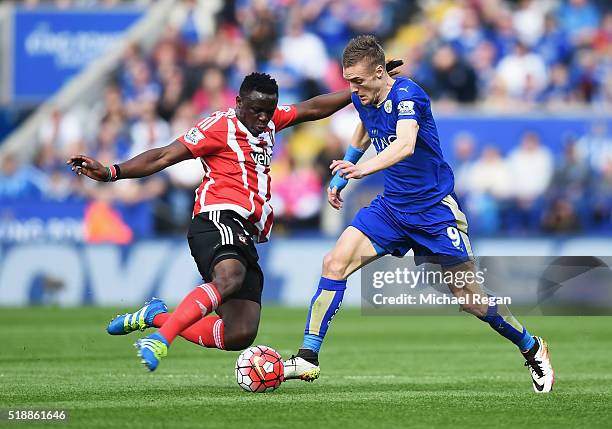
(420, 181)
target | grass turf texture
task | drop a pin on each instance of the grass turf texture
(383, 371)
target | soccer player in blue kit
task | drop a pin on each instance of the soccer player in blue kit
(418, 209)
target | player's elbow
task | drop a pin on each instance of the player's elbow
(406, 137)
(165, 156)
(407, 150)
(170, 155)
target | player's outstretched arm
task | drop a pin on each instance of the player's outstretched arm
(321, 106)
(402, 147)
(325, 105)
(142, 165)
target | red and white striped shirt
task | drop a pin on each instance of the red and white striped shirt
(236, 165)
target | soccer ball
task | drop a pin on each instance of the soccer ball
(259, 369)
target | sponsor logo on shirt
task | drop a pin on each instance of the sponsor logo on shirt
(381, 143)
(261, 158)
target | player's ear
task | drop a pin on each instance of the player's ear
(379, 71)
(238, 101)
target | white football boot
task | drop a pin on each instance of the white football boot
(297, 368)
(542, 373)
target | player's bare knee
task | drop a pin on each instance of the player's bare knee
(240, 338)
(334, 267)
(476, 309)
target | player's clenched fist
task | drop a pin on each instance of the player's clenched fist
(89, 167)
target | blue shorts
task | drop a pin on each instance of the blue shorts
(437, 235)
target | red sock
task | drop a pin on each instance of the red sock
(207, 332)
(200, 301)
(160, 319)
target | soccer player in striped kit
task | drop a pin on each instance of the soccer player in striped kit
(232, 211)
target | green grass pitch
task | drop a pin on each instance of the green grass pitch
(376, 372)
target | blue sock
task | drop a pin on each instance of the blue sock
(323, 306)
(509, 327)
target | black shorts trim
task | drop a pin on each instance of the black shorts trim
(228, 252)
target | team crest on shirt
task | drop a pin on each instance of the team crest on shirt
(193, 136)
(388, 106)
(405, 107)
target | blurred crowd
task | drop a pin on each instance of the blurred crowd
(512, 56)
(533, 189)
(495, 55)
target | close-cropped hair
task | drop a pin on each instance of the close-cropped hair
(261, 82)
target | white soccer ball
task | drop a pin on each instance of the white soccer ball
(259, 369)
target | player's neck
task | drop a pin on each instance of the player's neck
(384, 92)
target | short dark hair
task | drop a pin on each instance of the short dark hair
(363, 48)
(261, 82)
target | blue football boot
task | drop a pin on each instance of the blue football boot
(139, 320)
(151, 349)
